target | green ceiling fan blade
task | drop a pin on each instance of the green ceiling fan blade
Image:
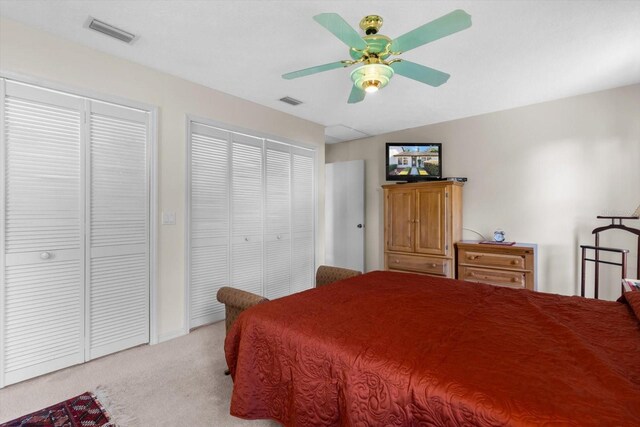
(356, 95)
(314, 70)
(339, 28)
(420, 73)
(448, 24)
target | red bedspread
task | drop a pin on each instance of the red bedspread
(394, 349)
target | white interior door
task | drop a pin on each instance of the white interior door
(118, 229)
(251, 218)
(344, 214)
(277, 220)
(42, 289)
(74, 230)
(303, 208)
(209, 223)
(246, 213)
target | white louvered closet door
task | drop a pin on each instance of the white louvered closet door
(42, 324)
(118, 229)
(277, 220)
(246, 213)
(251, 218)
(303, 219)
(209, 222)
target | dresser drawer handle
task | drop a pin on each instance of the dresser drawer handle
(397, 261)
(472, 257)
(432, 265)
(514, 279)
(515, 262)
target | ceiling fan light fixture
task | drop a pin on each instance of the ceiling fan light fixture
(371, 77)
(371, 86)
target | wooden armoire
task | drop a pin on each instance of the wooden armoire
(422, 222)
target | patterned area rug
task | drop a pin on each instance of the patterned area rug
(79, 411)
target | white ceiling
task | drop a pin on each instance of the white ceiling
(515, 53)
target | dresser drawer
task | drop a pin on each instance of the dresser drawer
(487, 259)
(512, 279)
(422, 264)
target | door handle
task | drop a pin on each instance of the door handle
(359, 225)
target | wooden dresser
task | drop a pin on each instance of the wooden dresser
(422, 222)
(511, 266)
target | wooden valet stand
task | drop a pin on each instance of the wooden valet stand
(597, 248)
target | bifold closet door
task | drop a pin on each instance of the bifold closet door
(277, 220)
(75, 230)
(303, 219)
(117, 259)
(251, 218)
(42, 292)
(246, 213)
(209, 223)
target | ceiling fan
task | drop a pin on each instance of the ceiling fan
(373, 51)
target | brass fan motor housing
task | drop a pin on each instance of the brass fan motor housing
(370, 24)
(377, 44)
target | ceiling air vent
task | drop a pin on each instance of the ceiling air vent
(110, 30)
(290, 101)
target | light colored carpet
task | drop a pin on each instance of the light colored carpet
(180, 382)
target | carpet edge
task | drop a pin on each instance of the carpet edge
(118, 416)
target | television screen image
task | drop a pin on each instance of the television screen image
(413, 161)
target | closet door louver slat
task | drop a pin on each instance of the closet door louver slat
(43, 267)
(118, 256)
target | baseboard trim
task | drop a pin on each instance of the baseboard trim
(171, 335)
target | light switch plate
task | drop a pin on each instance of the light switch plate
(168, 218)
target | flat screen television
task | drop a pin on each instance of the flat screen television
(413, 161)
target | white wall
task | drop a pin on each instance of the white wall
(34, 53)
(542, 173)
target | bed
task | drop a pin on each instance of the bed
(398, 349)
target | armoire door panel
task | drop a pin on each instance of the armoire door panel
(118, 256)
(43, 277)
(431, 221)
(400, 221)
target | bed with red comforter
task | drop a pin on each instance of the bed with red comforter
(397, 349)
